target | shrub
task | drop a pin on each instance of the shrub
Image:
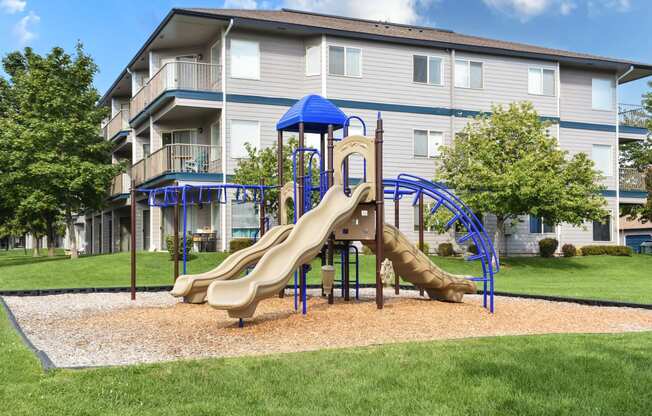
(547, 247)
(238, 244)
(569, 250)
(366, 251)
(472, 249)
(445, 250)
(169, 242)
(597, 250)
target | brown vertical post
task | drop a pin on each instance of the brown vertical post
(279, 172)
(133, 240)
(380, 214)
(176, 236)
(279, 175)
(421, 230)
(396, 224)
(261, 211)
(329, 178)
(300, 190)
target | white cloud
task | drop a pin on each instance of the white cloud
(240, 4)
(524, 10)
(23, 30)
(13, 6)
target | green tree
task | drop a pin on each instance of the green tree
(506, 165)
(58, 164)
(261, 164)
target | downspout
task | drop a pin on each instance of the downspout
(617, 173)
(223, 130)
(558, 93)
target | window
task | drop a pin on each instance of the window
(427, 143)
(601, 156)
(468, 74)
(243, 131)
(245, 59)
(541, 81)
(427, 69)
(539, 226)
(313, 60)
(602, 230)
(602, 93)
(244, 220)
(426, 212)
(344, 61)
(179, 137)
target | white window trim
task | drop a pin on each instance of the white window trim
(219, 55)
(256, 145)
(541, 69)
(611, 229)
(305, 58)
(468, 73)
(231, 60)
(441, 70)
(429, 132)
(610, 174)
(345, 61)
(613, 98)
(192, 136)
(543, 227)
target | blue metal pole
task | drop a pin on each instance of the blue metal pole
(304, 306)
(185, 225)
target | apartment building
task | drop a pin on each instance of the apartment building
(209, 80)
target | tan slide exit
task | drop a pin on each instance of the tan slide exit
(240, 297)
(414, 266)
(193, 286)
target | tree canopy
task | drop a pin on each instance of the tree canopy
(55, 161)
(505, 164)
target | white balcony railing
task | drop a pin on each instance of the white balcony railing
(119, 122)
(174, 158)
(179, 75)
(631, 180)
(121, 184)
(633, 115)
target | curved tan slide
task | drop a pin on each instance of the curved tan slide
(193, 286)
(240, 297)
(414, 266)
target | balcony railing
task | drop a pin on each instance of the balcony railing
(174, 158)
(631, 180)
(633, 115)
(118, 123)
(193, 76)
(121, 184)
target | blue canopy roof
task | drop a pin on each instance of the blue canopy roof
(315, 112)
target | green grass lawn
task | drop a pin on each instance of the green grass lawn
(572, 374)
(595, 277)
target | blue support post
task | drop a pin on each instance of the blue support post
(185, 225)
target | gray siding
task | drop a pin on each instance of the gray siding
(575, 141)
(576, 97)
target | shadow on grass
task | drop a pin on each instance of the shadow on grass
(28, 260)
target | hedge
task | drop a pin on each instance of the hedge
(597, 250)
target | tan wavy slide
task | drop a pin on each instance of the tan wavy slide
(240, 297)
(192, 287)
(414, 266)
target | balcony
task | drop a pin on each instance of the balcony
(121, 184)
(192, 76)
(632, 180)
(119, 122)
(178, 158)
(633, 115)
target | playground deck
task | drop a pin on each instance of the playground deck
(108, 329)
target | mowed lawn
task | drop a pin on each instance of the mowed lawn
(572, 374)
(627, 279)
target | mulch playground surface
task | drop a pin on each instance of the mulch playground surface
(100, 329)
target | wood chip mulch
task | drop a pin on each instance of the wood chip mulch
(104, 329)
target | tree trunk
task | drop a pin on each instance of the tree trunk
(35, 251)
(499, 237)
(70, 225)
(51, 237)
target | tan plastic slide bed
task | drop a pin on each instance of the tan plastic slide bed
(240, 297)
(414, 266)
(193, 286)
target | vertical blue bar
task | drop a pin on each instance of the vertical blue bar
(342, 272)
(357, 275)
(296, 294)
(304, 306)
(484, 293)
(491, 294)
(185, 224)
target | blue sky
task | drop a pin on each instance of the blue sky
(112, 31)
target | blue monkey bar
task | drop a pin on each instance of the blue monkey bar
(189, 195)
(406, 184)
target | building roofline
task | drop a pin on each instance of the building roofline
(225, 16)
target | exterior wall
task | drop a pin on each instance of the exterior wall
(576, 97)
(575, 141)
(106, 234)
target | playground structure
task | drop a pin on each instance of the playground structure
(341, 216)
